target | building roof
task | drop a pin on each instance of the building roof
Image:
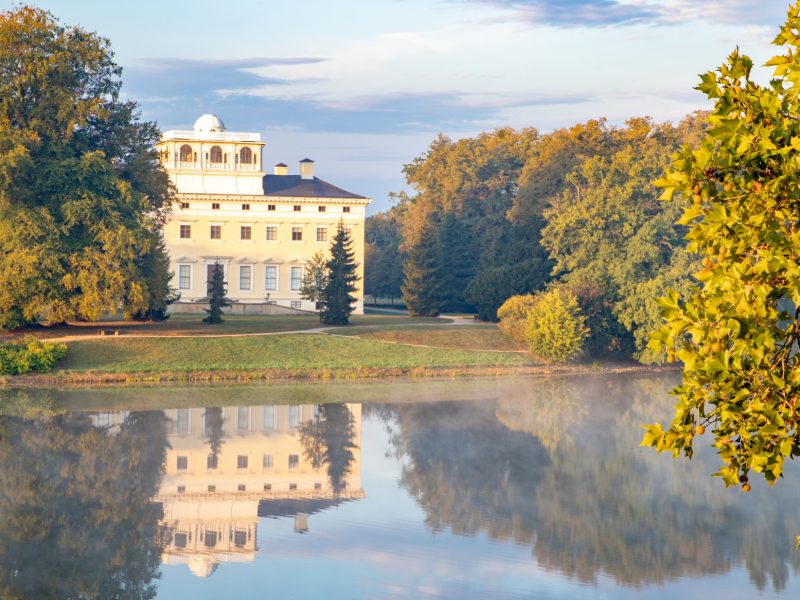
(209, 122)
(294, 186)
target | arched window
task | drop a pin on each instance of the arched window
(216, 154)
(246, 156)
(186, 153)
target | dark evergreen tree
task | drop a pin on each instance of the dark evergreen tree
(214, 429)
(423, 285)
(217, 299)
(338, 295)
(459, 266)
(154, 266)
(329, 439)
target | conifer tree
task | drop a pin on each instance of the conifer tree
(217, 299)
(423, 285)
(338, 294)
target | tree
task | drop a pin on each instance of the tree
(216, 296)
(329, 439)
(315, 278)
(554, 328)
(383, 260)
(737, 332)
(423, 286)
(342, 277)
(82, 194)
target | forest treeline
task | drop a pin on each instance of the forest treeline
(512, 212)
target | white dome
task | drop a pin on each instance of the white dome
(209, 122)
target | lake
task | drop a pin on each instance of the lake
(482, 488)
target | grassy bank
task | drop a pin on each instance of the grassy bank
(473, 337)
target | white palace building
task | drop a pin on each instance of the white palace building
(261, 227)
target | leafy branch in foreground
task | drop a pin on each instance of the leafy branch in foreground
(737, 332)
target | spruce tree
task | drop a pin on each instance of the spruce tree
(338, 293)
(423, 286)
(217, 300)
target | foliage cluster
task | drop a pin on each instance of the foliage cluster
(550, 323)
(30, 356)
(738, 330)
(510, 212)
(340, 282)
(82, 193)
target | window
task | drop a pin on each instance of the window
(317, 486)
(245, 277)
(210, 537)
(212, 462)
(296, 279)
(246, 156)
(242, 487)
(182, 420)
(296, 304)
(186, 232)
(349, 231)
(180, 540)
(241, 461)
(322, 234)
(245, 207)
(215, 206)
(267, 487)
(267, 461)
(270, 207)
(297, 234)
(239, 538)
(183, 463)
(271, 278)
(216, 154)
(103, 419)
(292, 487)
(272, 234)
(216, 232)
(184, 205)
(345, 209)
(294, 461)
(268, 418)
(243, 418)
(294, 416)
(184, 277)
(212, 489)
(181, 489)
(322, 208)
(247, 232)
(186, 153)
(296, 208)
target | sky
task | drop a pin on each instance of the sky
(363, 87)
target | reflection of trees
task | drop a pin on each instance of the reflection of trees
(214, 429)
(593, 502)
(76, 519)
(329, 439)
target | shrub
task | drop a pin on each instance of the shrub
(30, 356)
(513, 315)
(556, 327)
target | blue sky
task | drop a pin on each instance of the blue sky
(362, 87)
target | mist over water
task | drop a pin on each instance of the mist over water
(483, 488)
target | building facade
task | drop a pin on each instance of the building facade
(262, 228)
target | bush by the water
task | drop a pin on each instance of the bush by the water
(551, 323)
(30, 356)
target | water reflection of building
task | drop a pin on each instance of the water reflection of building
(227, 467)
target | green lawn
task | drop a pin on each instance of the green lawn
(193, 325)
(289, 352)
(474, 337)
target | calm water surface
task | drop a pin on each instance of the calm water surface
(500, 488)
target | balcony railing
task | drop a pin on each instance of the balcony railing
(229, 136)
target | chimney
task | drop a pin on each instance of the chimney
(281, 169)
(307, 168)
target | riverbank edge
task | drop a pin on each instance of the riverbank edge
(110, 379)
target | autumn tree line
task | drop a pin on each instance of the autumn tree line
(514, 212)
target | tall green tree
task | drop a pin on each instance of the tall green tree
(737, 333)
(423, 272)
(315, 278)
(383, 259)
(339, 294)
(82, 194)
(217, 299)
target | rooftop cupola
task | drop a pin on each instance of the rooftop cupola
(307, 168)
(209, 123)
(281, 169)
